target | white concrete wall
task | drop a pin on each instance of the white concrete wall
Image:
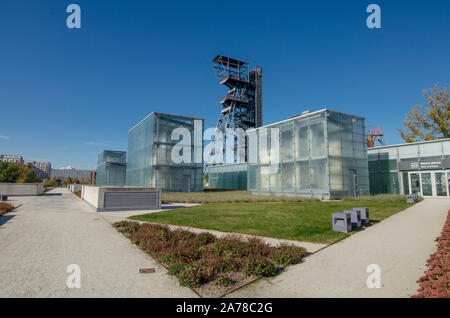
(90, 194)
(13, 189)
(75, 187)
(122, 198)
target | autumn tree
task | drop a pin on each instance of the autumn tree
(27, 175)
(51, 182)
(17, 173)
(67, 181)
(431, 121)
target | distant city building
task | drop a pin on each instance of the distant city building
(42, 169)
(62, 174)
(11, 159)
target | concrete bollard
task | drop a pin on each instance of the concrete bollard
(341, 222)
(355, 218)
(364, 215)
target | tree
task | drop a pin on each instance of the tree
(17, 173)
(51, 182)
(67, 181)
(429, 122)
(27, 175)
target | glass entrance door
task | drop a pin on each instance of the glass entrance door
(441, 184)
(427, 186)
(415, 183)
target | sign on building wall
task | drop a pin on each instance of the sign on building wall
(424, 165)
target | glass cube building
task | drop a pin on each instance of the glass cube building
(111, 168)
(321, 154)
(229, 177)
(421, 168)
(150, 162)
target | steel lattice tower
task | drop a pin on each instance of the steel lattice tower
(242, 105)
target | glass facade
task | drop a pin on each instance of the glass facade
(150, 162)
(321, 154)
(421, 167)
(111, 168)
(233, 176)
(112, 156)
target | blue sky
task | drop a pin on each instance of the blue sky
(67, 94)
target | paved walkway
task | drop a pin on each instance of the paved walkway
(400, 245)
(46, 234)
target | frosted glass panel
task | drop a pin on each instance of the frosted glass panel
(316, 152)
(318, 175)
(334, 139)
(303, 176)
(286, 145)
(288, 177)
(302, 139)
(318, 147)
(149, 155)
(231, 177)
(411, 151)
(430, 149)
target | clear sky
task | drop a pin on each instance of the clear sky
(67, 94)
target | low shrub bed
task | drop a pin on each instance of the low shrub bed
(436, 281)
(5, 207)
(78, 194)
(203, 259)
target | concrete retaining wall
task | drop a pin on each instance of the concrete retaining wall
(18, 189)
(121, 198)
(75, 187)
(90, 194)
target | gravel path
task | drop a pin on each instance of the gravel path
(47, 233)
(400, 245)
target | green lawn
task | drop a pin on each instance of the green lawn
(303, 221)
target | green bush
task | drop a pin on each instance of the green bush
(205, 238)
(176, 268)
(259, 267)
(189, 277)
(224, 281)
(288, 254)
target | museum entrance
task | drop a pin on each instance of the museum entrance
(427, 183)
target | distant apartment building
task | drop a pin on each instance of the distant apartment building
(11, 159)
(66, 172)
(42, 169)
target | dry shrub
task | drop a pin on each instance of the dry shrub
(197, 259)
(436, 281)
(5, 207)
